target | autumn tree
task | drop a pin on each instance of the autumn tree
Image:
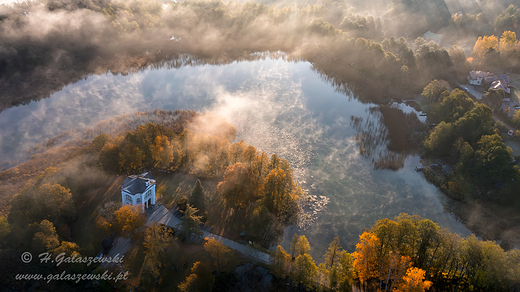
(68, 248)
(395, 269)
(190, 223)
(236, 187)
(484, 44)
(294, 241)
(276, 188)
(130, 156)
(109, 157)
(323, 277)
(200, 279)
(414, 281)
(365, 260)
(221, 147)
(281, 262)
(100, 141)
(508, 41)
(51, 202)
(260, 222)
(475, 124)
(45, 238)
(280, 193)
(334, 253)
(159, 243)
(189, 284)
(217, 250)
(106, 219)
(249, 155)
(342, 273)
(129, 220)
(302, 246)
(162, 151)
(304, 270)
(236, 150)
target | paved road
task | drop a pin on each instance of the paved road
(161, 214)
(471, 90)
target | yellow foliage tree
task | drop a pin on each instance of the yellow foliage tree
(304, 270)
(129, 219)
(508, 41)
(162, 151)
(365, 256)
(68, 248)
(200, 279)
(413, 281)
(281, 262)
(217, 250)
(484, 44)
(302, 246)
(189, 285)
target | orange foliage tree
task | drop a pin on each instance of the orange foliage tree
(365, 257)
(413, 281)
(129, 219)
(484, 44)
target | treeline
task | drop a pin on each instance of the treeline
(468, 137)
(393, 68)
(487, 21)
(491, 53)
(120, 37)
(408, 253)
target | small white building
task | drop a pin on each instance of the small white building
(139, 190)
(476, 77)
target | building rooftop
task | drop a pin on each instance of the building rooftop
(476, 74)
(136, 184)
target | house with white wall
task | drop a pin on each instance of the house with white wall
(476, 77)
(139, 190)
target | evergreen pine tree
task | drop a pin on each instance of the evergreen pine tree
(197, 198)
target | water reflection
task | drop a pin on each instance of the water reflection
(279, 107)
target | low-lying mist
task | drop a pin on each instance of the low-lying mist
(47, 44)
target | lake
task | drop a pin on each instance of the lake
(277, 106)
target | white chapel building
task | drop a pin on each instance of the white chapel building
(139, 190)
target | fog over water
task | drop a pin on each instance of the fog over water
(279, 107)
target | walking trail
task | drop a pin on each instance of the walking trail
(161, 214)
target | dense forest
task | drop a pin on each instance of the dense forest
(469, 138)
(408, 253)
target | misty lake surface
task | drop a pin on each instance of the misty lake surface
(277, 106)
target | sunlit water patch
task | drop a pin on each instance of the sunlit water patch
(279, 107)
